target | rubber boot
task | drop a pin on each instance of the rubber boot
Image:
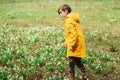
(71, 78)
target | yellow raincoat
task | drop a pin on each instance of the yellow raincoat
(74, 36)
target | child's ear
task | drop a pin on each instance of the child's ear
(66, 11)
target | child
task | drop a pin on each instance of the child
(74, 41)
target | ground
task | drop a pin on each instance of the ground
(31, 31)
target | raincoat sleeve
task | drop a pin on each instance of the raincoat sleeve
(72, 35)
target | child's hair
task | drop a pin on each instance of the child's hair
(64, 7)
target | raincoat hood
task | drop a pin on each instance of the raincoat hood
(74, 16)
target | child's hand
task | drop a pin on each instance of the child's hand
(71, 48)
(64, 45)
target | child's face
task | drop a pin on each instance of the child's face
(63, 14)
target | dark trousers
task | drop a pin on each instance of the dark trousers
(75, 61)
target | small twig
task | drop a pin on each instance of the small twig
(54, 54)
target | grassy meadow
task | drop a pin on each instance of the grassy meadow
(31, 31)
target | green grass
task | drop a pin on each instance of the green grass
(30, 31)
